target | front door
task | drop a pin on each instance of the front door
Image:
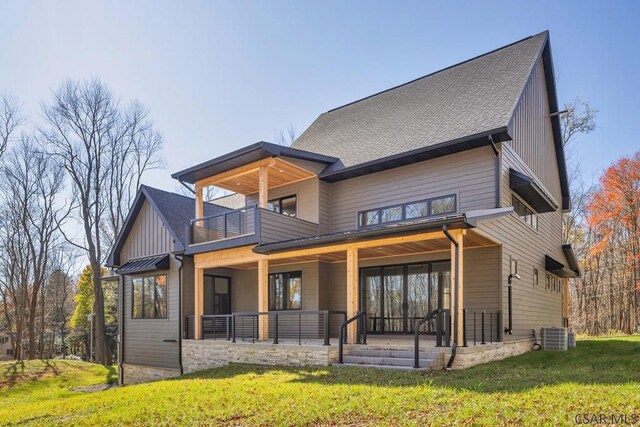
(395, 297)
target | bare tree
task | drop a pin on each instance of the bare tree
(10, 119)
(31, 188)
(286, 137)
(97, 141)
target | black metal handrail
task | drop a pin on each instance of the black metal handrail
(361, 332)
(442, 319)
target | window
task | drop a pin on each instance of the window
(420, 209)
(547, 283)
(513, 268)
(443, 205)
(4, 340)
(285, 291)
(555, 284)
(149, 297)
(535, 277)
(9, 352)
(284, 205)
(525, 214)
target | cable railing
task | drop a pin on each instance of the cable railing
(481, 327)
(289, 326)
(437, 321)
(236, 223)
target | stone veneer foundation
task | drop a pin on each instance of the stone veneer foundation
(471, 356)
(136, 374)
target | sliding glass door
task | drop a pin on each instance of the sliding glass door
(395, 297)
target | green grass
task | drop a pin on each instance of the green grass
(538, 388)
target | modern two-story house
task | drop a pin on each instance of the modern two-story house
(418, 227)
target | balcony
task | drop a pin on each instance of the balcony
(245, 226)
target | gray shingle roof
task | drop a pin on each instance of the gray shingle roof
(473, 97)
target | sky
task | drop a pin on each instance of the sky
(217, 76)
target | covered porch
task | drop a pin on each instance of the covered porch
(385, 284)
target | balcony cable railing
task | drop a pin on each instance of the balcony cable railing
(236, 223)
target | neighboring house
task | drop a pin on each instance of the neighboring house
(6, 350)
(411, 209)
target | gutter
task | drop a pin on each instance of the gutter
(496, 152)
(180, 258)
(454, 347)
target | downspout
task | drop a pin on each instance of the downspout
(496, 152)
(121, 335)
(180, 258)
(454, 347)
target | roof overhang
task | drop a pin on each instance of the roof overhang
(143, 265)
(554, 266)
(249, 154)
(336, 172)
(571, 258)
(532, 193)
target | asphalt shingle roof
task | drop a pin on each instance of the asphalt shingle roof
(473, 97)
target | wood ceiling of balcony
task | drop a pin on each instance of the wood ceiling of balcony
(245, 180)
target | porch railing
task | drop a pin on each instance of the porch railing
(361, 332)
(284, 326)
(481, 327)
(236, 223)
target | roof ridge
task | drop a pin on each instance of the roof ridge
(436, 72)
(165, 191)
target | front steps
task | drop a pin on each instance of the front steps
(391, 359)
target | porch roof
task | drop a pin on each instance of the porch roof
(397, 229)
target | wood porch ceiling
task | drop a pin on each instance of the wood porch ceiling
(246, 180)
(471, 240)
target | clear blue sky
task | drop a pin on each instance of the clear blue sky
(220, 75)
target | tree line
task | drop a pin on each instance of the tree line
(66, 184)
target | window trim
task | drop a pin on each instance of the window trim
(403, 207)
(279, 200)
(285, 293)
(166, 316)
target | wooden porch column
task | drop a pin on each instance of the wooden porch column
(198, 305)
(352, 292)
(199, 201)
(263, 299)
(459, 304)
(263, 187)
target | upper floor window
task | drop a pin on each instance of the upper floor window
(285, 291)
(4, 340)
(149, 297)
(424, 208)
(535, 277)
(524, 212)
(285, 205)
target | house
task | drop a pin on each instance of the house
(426, 216)
(6, 350)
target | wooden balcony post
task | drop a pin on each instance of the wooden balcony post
(198, 303)
(352, 292)
(199, 201)
(263, 299)
(263, 187)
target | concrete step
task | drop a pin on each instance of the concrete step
(387, 361)
(388, 367)
(392, 353)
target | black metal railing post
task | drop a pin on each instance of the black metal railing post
(475, 329)
(439, 320)
(233, 328)
(482, 326)
(447, 331)
(327, 319)
(464, 327)
(498, 326)
(491, 326)
(299, 328)
(275, 328)
(202, 327)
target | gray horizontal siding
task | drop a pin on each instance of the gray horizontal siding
(469, 174)
(275, 227)
(144, 338)
(307, 197)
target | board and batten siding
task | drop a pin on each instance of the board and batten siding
(469, 174)
(148, 236)
(533, 134)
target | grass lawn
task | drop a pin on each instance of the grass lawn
(538, 388)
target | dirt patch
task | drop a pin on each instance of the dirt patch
(93, 388)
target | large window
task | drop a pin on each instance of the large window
(285, 205)
(149, 297)
(285, 291)
(527, 215)
(421, 209)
